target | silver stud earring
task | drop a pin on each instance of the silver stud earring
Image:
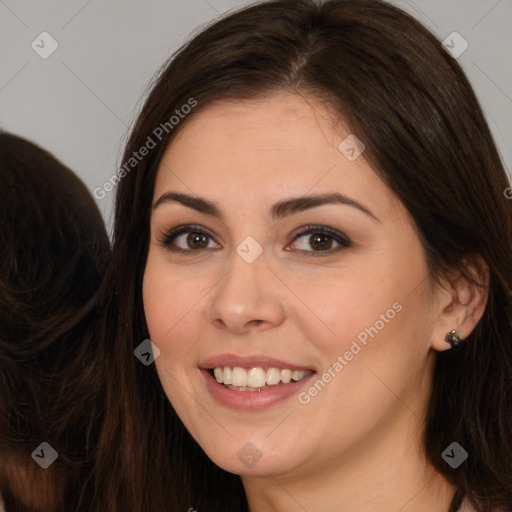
(453, 339)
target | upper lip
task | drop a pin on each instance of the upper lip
(262, 361)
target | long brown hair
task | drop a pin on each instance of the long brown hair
(54, 251)
(425, 134)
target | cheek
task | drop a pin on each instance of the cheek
(174, 307)
(155, 299)
(344, 305)
(166, 302)
(368, 311)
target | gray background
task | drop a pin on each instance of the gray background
(80, 102)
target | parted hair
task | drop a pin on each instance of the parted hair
(398, 90)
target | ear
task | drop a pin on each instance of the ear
(459, 302)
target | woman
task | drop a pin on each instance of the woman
(318, 246)
(53, 253)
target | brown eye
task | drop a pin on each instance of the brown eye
(318, 239)
(197, 240)
(186, 239)
(321, 242)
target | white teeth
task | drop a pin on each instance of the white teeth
(238, 377)
(286, 376)
(218, 374)
(273, 376)
(227, 376)
(256, 378)
(298, 374)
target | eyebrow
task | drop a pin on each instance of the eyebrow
(279, 210)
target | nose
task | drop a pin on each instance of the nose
(248, 297)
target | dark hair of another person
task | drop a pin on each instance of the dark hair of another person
(54, 251)
(426, 137)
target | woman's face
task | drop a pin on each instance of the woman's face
(282, 275)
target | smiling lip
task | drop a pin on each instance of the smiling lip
(251, 400)
(248, 362)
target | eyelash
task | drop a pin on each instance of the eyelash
(343, 241)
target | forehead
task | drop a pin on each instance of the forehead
(280, 145)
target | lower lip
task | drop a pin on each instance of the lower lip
(252, 400)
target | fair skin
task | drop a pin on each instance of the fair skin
(357, 444)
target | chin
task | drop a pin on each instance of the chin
(250, 463)
(256, 456)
